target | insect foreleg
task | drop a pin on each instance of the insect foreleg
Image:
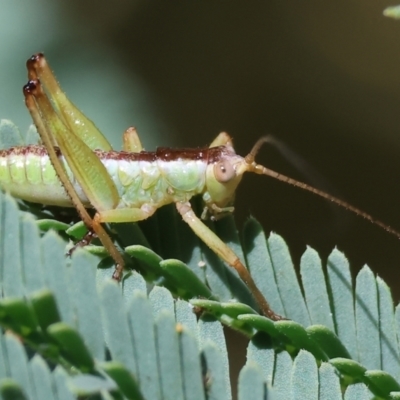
(217, 212)
(131, 141)
(223, 251)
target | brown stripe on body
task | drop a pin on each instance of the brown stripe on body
(208, 154)
(24, 150)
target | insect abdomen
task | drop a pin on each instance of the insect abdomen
(27, 173)
(156, 182)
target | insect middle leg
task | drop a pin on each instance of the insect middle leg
(223, 139)
(131, 141)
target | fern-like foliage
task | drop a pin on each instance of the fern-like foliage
(69, 331)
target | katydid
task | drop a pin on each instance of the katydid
(76, 167)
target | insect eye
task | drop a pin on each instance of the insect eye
(224, 171)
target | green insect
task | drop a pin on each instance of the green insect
(76, 167)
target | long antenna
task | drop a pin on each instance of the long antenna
(259, 169)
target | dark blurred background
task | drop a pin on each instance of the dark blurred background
(323, 77)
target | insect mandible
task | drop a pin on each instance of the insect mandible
(76, 167)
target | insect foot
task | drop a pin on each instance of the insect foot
(85, 241)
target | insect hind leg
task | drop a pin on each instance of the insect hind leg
(71, 116)
(35, 99)
(47, 120)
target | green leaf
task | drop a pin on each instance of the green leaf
(161, 299)
(260, 264)
(167, 339)
(215, 382)
(282, 371)
(45, 307)
(305, 377)
(47, 224)
(367, 319)
(260, 323)
(327, 341)
(341, 296)
(387, 330)
(146, 255)
(84, 384)
(357, 392)
(32, 136)
(18, 363)
(260, 352)
(124, 379)
(251, 380)
(349, 368)
(10, 259)
(72, 346)
(61, 383)
(193, 379)
(77, 231)
(9, 134)
(31, 254)
(116, 326)
(329, 383)
(181, 275)
(299, 338)
(42, 378)
(141, 326)
(381, 383)
(10, 390)
(85, 301)
(289, 289)
(18, 315)
(317, 297)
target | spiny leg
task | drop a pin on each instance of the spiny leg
(31, 92)
(87, 169)
(68, 112)
(85, 241)
(131, 141)
(223, 251)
